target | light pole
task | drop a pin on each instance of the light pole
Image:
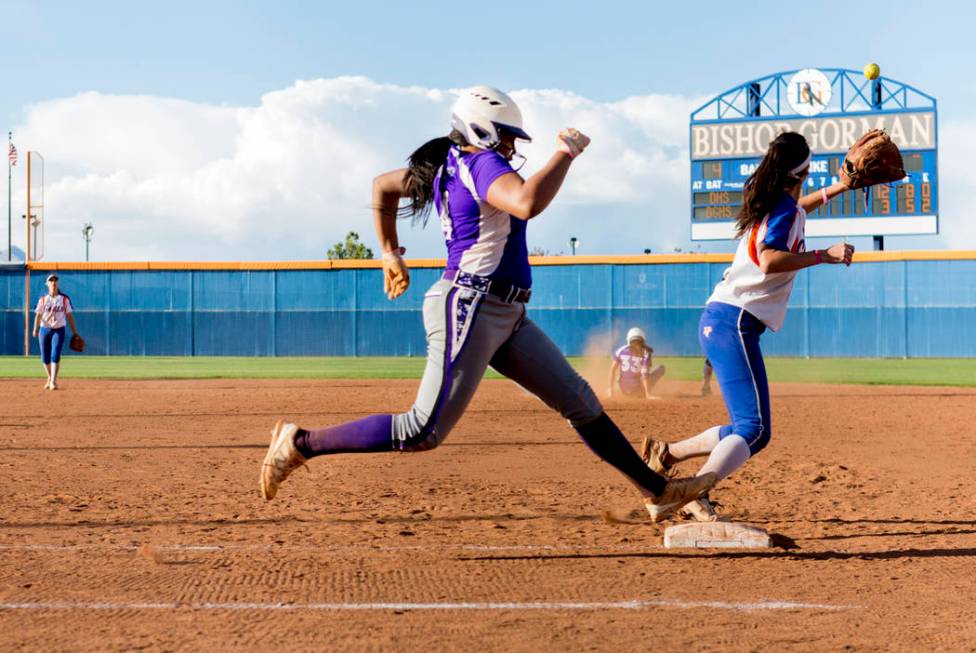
(573, 244)
(87, 232)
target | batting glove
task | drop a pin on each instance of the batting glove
(396, 275)
(572, 142)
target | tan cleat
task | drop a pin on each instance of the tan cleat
(654, 453)
(281, 460)
(677, 493)
(702, 510)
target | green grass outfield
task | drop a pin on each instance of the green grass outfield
(950, 372)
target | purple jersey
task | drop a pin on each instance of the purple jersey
(481, 239)
(632, 367)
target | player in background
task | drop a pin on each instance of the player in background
(751, 297)
(632, 369)
(475, 315)
(53, 310)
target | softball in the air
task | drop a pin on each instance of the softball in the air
(872, 71)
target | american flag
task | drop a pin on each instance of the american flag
(12, 154)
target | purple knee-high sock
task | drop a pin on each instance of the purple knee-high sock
(369, 434)
(605, 440)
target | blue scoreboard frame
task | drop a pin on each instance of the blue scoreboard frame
(729, 134)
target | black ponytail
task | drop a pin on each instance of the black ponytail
(422, 167)
(771, 179)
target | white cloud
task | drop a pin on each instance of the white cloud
(957, 184)
(169, 179)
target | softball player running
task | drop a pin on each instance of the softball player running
(632, 367)
(475, 314)
(752, 297)
(53, 310)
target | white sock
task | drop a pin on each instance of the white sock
(728, 455)
(699, 445)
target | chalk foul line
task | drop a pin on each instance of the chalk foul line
(739, 606)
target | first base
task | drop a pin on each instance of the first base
(711, 535)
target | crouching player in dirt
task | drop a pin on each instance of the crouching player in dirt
(475, 316)
(632, 368)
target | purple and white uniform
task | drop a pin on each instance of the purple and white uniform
(632, 368)
(481, 239)
(469, 329)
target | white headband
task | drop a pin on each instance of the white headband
(795, 171)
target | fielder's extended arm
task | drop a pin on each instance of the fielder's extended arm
(813, 201)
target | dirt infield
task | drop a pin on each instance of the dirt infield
(130, 519)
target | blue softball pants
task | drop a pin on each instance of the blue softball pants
(52, 342)
(730, 337)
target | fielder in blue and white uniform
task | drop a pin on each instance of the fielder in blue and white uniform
(751, 298)
(52, 313)
(475, 315)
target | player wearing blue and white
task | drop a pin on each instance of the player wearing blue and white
(633, 369)
(53, 311)
(751, 297)
(475, 315)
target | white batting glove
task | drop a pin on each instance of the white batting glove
(396, 275)
(572, 142)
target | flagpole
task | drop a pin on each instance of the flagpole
(10, 248)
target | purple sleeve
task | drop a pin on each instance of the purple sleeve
(485, 168)
(778, 227)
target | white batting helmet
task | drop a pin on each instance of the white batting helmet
(481, 111)
(635, 334)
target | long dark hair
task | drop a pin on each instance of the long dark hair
(422, 167)
(771, 179)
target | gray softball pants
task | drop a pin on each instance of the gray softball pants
(466, 332)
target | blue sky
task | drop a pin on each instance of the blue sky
(231, 54)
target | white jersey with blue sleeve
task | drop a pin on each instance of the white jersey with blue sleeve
(764, 295)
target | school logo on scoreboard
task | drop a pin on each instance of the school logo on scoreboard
(808, 92)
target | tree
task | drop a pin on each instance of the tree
(352, 248)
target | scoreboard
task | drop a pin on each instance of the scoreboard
(725, 151)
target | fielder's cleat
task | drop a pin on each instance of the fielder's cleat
(702, 510)
(655, 453)
(706, 391)
(281, 460)
(677, 493)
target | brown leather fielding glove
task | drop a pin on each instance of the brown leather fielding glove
(77, 343)
(873, 159)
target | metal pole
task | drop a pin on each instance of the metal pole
(27, 266)
(10, 247)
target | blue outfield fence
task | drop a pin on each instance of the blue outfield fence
(886, 308)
